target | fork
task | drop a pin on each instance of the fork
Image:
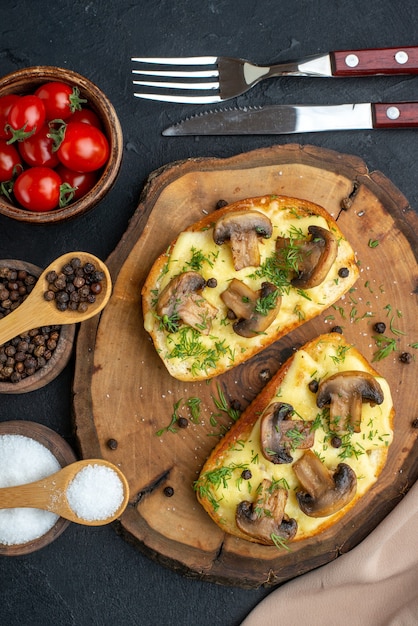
(231, 77)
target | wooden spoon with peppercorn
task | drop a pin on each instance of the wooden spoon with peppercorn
(92, 492)
(73, 288)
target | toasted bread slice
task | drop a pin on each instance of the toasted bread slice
(260, 482)
(284, 259)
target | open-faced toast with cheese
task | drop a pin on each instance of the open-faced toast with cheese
(306, 449)
(241, 278)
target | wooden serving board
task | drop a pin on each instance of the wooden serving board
(123, 392)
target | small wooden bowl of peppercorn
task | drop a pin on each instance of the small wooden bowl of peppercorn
(64, 143)
(35, 358)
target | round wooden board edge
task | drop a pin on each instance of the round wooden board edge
(351, 166)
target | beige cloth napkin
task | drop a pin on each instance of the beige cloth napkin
(375, 584)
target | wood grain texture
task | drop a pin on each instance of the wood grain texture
(123, 392)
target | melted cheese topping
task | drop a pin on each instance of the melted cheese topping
(365, 451)
(222, 349)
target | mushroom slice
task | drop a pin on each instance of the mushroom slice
(280, 435)
(345, 393)
(181, 299)
(240, 298)
(265, 518)
(310, 260)
(242, 229)
(256, 310)
(325, 492)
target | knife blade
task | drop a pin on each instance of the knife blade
(283, 119)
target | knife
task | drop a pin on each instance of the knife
(287, 119)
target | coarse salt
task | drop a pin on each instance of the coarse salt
(95, 493)
(24, 460)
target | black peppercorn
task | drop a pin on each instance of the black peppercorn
(415, 423)
(220, 204)
(97, 276)
(380, 327)
(405, 357)
(182, 422)
(96, 288)
(246, 474)
(313, 386)
(49, 295)
(89, 268)
(343, 272)
(68, 269)
(51, 277)
(337, 329)
(336, 442)
(112, 444)
(79, 281)
(168, 491)
(212, 283)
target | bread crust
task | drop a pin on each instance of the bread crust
(284, 212)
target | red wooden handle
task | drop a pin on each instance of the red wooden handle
(375, 61)
(396, 115)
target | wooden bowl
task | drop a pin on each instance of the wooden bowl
(64, 455)
(26, 81)
(61, 354)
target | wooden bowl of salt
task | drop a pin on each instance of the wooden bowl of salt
(30, 451)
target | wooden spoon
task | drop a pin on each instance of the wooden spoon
(35, 311)
(50, 493)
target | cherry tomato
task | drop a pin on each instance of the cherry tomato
(6, 103)
(84, 148)
(36, 150)
(60, 100)
(38, 189)
(26, 117)
(87, 116)
(82, 182)
(9, 161)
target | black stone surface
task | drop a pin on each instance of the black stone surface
(90, 576)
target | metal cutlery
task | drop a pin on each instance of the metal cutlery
(211, 79)
(288, 119)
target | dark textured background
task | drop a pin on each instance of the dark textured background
(90, 576)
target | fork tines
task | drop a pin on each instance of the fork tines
(178, 91)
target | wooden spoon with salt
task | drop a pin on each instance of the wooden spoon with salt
(55, 492)
(35, 311)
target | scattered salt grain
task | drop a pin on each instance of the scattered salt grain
(24, 460)
(95, 493)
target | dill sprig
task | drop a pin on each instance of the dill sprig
(266, 303)
(213, 479)
(222, 405)
(385, 345)
(174, 417)
(193, 404)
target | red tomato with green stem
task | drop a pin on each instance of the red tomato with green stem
(80, 182)
(6, 103)
(26, 117)
(38, 189)
(37, 150)
(60, 100)
(10, 162)
(84, 148)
